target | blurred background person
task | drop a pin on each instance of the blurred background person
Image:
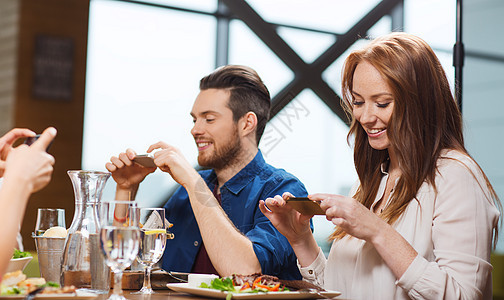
(25, 170)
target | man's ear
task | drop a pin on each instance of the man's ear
(248, 124)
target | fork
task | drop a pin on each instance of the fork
(31, 295)
(314, 291)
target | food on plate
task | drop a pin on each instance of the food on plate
(56, 231)
(16, 283)
(20, 254)
(13, 278)
(254, 283)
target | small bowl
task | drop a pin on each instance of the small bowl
(18, 264)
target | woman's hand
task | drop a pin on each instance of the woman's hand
(350, 215)
(293, 225)
(8, 140)
(125, 172)
(31, 165)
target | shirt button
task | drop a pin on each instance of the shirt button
(310, 272)
(196, 243)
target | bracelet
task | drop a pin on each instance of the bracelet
(122, 220)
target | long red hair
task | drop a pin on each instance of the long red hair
(425, 121)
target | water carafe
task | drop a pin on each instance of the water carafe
(82, 263)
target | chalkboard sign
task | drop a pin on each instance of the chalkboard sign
(53, 64)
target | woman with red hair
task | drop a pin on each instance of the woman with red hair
(421, 220)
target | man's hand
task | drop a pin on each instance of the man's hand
(170, 160)
(126, 173)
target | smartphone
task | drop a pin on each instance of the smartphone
(305, 206)
(146, 160)
(30, 140)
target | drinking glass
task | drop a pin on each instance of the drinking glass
(152, 242)
(119, 239)
(49, 217)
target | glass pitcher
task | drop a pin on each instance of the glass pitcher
(82, 263)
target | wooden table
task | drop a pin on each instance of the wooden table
(160, 294)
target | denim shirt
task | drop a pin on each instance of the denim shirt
(240, 200)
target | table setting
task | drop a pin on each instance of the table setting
(93, 258)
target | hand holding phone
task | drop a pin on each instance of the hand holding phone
(30, 140)
(305, 206)
(145, 160)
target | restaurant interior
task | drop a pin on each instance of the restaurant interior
(113, 74)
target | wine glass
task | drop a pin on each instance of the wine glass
(152, 242)
(119, 239)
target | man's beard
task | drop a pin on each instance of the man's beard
(223, 157)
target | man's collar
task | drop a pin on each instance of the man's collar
(245, 175)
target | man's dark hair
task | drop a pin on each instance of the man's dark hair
(247, 93)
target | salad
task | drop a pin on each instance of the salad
(16, 283)
(255, 283)
(20, 254)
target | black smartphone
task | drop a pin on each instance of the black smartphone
(31, 139)
(146, 160)
(305, 206)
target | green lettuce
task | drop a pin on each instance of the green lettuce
(20, 254)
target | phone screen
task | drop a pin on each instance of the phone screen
(145, 160)
(306, 206)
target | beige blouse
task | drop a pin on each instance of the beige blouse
(451, 231)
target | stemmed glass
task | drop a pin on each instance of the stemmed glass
(152, 242)
(119, 239)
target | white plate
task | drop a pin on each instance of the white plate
(79, 295)
(184, 288)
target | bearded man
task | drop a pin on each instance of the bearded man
(218, 226)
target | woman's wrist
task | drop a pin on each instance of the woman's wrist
(302, 238)
(17, 185)
(126, 193)
(18, 178)
(306, 249)
(379, 236)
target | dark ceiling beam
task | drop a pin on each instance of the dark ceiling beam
(397, 17)
(331, 99)
(266, 33)
(222, 36)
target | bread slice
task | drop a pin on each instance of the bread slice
(13, 278)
